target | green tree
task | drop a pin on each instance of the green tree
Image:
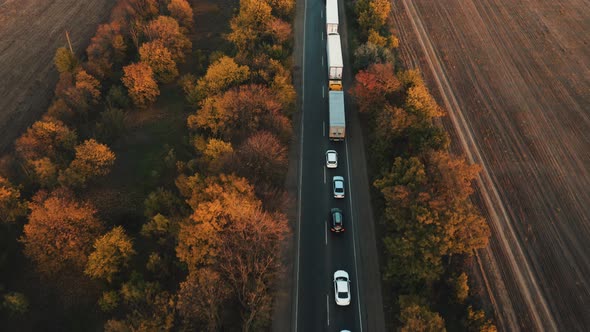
(15, 304)
(64, 60)
(369, 53)
(112, 252)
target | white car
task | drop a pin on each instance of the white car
(338, 185)
(331, 159)
(342, 288)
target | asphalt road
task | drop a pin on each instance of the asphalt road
(321, 253)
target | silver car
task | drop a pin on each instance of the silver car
(342, 288)
(338, 186)
(331, 159)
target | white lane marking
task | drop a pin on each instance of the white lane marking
(322, 36)
(328, 307)
(326, 230)
(323, 91)
(322, 60)
(324, 175)
(324, 128)
(358, 294)
(300, 171)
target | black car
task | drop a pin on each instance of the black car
(337, 224)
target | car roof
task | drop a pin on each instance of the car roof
(342, 286)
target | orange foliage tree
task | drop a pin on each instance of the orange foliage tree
(181, 10)
(92, 160)
(201, 297)
(250, 26)
(47, 138)
(140, 83)
(107, 47)
(167, 30)
(159, 58)
(60, 232)
(374, 86)
(241, 111)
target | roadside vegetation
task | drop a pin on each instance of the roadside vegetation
(149, 196)
(429, 226)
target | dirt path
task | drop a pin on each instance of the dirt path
(30, 32)
(515, 78)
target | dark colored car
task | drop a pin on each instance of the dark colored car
(337, 220)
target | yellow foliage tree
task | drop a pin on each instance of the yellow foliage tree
(222, 75)
(159, 58)
(47, 138)
(140, 83)
(92, 160)
(64, 60)
(111, 253)
(11, 205)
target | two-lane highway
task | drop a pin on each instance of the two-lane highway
(321, 253)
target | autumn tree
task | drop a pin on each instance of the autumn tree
(216, 154)
(421, 104)
(12, 207)
(417, 317)
(372, 14)
(222, 75)
(478, 322)
(144, 306)
(201, 296)
(282, 8)
(183, 13)
(84, 93)
(64, 60)
(108, 47)
(162, 201)
(262, 158)
(157, 56)
(47, 138)
(60, 232)
(428, 216)
(374, 86)
(461, 287)
(112, 252)
(140, 83)
(59, 110)
(167, 30)
(241, 111)
(92, 160)
(45, 171)
(250, 26)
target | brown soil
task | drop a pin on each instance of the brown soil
(30, 32)
(515, 79)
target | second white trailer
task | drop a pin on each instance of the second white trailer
(331, 17)
(335, 63)
(337, 130)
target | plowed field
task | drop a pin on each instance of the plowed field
(30, 32)
(515, 79)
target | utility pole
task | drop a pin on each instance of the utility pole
(69, 42)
